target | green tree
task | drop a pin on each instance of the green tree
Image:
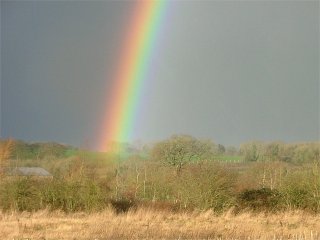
(273, 151)
(221, 149)
(252, 151)
(181, 149)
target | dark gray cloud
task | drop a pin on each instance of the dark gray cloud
(230, 71)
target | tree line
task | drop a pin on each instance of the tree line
(180, 173)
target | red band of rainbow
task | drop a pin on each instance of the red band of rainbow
(131, 73)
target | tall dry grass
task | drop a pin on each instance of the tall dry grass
(151, 224)
(6, 147)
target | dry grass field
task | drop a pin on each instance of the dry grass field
(151, 224)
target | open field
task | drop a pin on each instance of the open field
(151, 224)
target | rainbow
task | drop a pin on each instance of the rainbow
(130, 76)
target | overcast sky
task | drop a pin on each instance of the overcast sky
(230, 71)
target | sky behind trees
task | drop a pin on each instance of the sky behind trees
(230, 71)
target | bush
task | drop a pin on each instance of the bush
(19, 194)
(27, 194)
(122, 205)
(264, 199)
(206, 185)
(71, 196)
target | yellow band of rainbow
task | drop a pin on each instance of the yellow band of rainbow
(131, 74)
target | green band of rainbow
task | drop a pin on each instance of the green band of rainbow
(132, 71)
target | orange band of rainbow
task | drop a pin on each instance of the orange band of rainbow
(131, 73)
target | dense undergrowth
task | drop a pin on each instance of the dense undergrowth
(199, 186)
(92, 182)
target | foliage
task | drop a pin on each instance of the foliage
(23, 150)
(265, 177)
(252, 151)
(182, 149)
(122, 205)
(206, 185)
(27, 194)
(263, 199)
(279, 151)
(20, 194)
(301, 188)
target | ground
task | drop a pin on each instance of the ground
(151, 224)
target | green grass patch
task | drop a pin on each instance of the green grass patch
(230, 158)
